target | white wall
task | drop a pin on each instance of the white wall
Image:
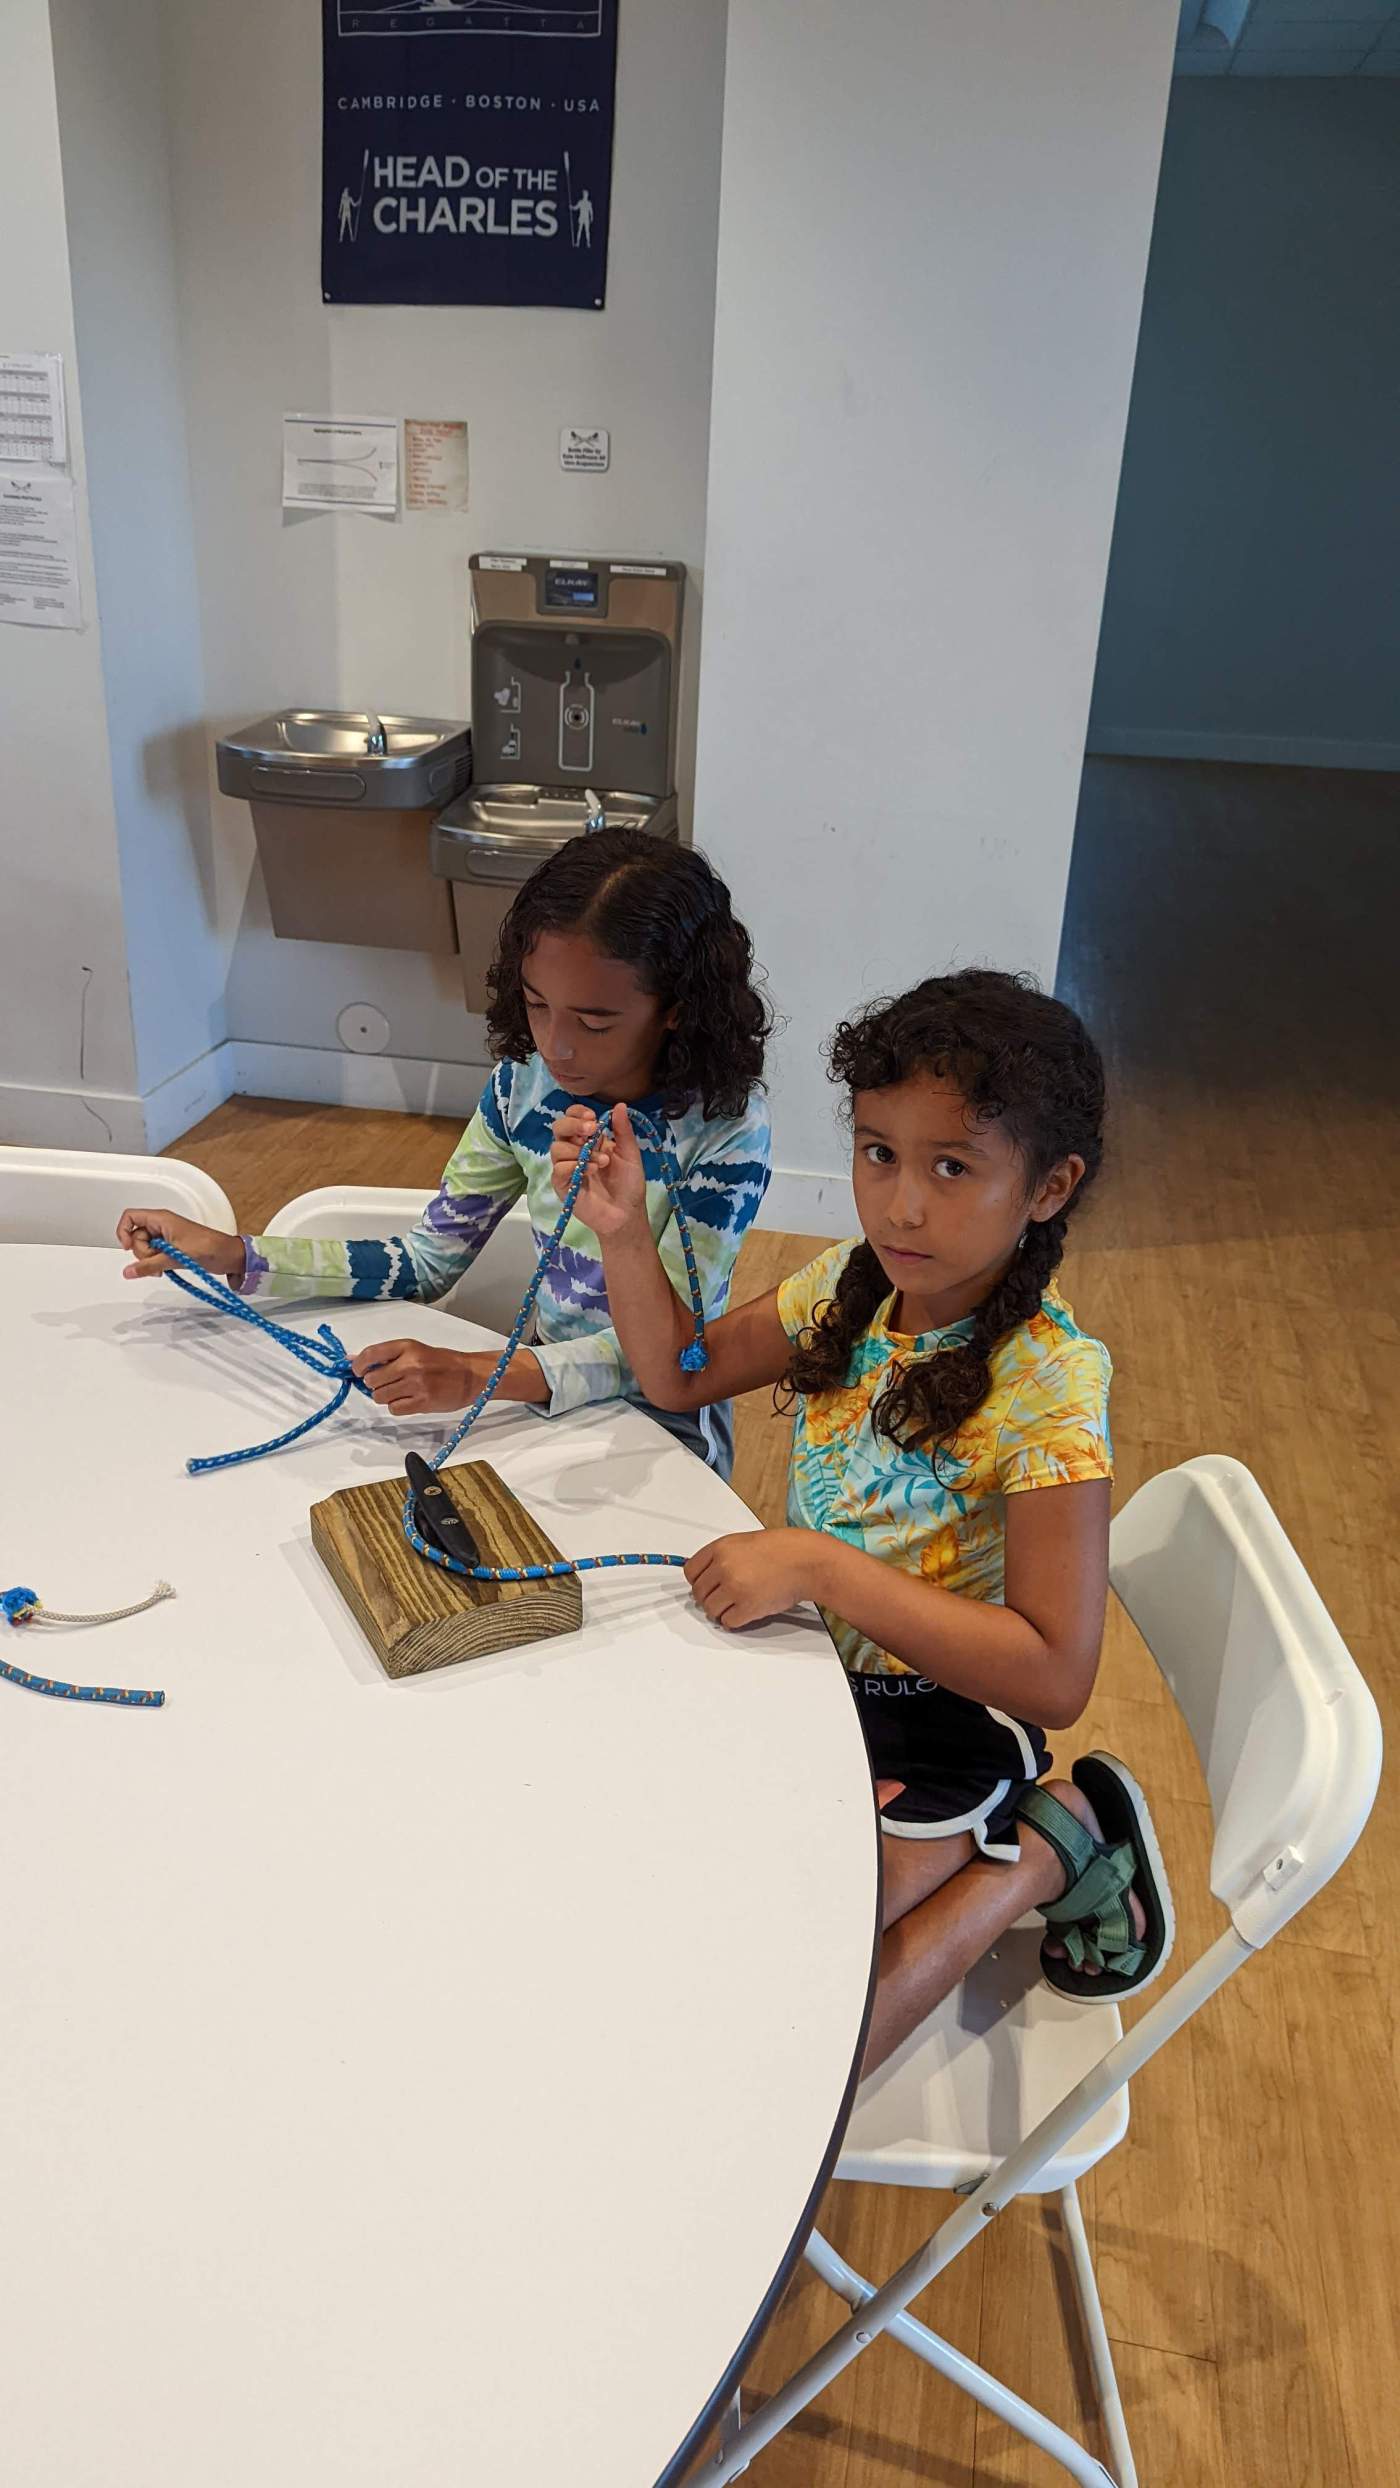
(1252, 611)
(344, 609)
(933, 233)
(60, 901)
(112, 115)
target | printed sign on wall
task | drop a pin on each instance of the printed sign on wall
(467, 151)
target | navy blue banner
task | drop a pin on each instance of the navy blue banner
(467, 151)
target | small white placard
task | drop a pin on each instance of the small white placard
(584, 451)
(330, 462)
(39, 552)
(435, 464)
(32, 421)
(638, 570)
(500, 561)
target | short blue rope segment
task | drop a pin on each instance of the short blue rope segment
(326, 1355)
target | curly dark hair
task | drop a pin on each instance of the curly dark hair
(1021, 1059)
(663, 911)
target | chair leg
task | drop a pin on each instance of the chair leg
(1100, 2349)
(964, 2372)
(731, 2423)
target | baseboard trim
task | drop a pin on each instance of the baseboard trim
(186, 1096)
(326, 1076)
(1288, 751)
(71, 1118)
(87, 1118)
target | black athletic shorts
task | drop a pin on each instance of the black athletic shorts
(964, 1767)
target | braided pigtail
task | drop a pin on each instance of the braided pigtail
(928, 1401)
(821, 1358)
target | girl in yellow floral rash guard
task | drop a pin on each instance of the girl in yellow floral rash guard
(949, 1489)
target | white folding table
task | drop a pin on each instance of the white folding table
(402, 2085)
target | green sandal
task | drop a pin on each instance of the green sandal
(1103, 1960)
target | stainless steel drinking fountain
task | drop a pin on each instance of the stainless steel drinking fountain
(342, 802)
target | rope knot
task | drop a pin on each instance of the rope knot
(17, 1606)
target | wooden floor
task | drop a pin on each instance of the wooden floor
(1230, 932)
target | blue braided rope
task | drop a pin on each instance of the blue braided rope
(326, 1355)
(323, 1353)
(562, 1571)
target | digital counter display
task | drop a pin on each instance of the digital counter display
(571, 591)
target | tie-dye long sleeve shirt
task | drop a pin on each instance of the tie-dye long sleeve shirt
(503, 1154)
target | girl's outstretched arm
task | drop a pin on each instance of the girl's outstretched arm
(746, 1348)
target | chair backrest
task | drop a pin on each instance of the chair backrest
(1282, 1720)
(493, 1287)
(76, 1196)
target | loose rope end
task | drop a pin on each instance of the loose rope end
(26, 1607)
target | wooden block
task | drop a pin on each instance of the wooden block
(416, 1616)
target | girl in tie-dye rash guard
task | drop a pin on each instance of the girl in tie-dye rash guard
(948, 1492)
(621, 973)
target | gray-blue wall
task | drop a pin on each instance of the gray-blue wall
(1253, 601)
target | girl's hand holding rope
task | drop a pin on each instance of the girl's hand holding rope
(142, 1231)
(755, 1573)
(411, 1378)
(614, 1192)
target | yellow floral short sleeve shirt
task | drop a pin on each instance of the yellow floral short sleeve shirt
(1043, 1423)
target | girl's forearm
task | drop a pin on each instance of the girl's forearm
(986, 1652)
(652, 1324)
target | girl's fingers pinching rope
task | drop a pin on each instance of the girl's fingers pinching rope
(141, 1233)
(572, 1132)
(149, 1266)
(144, 1231)
(382, 1369)
(409, 1377)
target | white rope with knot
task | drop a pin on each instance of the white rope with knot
(40, 1614)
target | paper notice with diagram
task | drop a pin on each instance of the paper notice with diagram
(330, 462)
(39, 552)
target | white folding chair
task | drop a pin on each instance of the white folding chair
(492, 1289)
(76, 1196)
(1009, 2089)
